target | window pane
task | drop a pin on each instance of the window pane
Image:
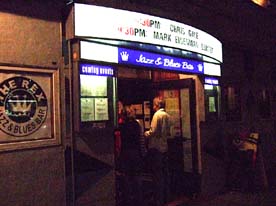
(232, 103)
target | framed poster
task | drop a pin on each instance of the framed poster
(93, 85)
(94, 93)
(29, 108)
(101, 109)
(87, 109)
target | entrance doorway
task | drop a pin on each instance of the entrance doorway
(138, 90)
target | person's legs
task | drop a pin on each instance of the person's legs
(249, 185)
(137, 191)
(157, 170)
(166, 177)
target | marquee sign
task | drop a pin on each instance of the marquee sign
(147, 59)
(108, 23)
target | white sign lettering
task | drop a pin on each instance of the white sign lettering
(166, 62)
(144, 60)
(109, 23)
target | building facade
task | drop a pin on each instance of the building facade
(32, 152)
(55, 151)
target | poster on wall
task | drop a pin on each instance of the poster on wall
(172, 107)
(185, 113)
(101, 109)
(87, 109)
(29, 112)
(138, 109)
(212, 104)
(93, 85)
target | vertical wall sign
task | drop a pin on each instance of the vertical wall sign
(29, 112)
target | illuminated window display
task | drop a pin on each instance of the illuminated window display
(212, 98)
(93, 92)
(93, 98)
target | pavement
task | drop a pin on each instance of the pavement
(231, 198)
(226, 198)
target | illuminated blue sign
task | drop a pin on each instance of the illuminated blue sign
(99, 70)
(211, 81)
(147, 59)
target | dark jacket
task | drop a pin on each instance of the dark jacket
(130, 158)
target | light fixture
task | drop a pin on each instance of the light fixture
(262, 3)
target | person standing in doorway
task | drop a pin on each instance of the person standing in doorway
(131, 159)
(157, 136)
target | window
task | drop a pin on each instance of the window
(93, 99)
(264, 104)
(232, 103)
(212, 101)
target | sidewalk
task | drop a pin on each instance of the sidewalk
(231, 199)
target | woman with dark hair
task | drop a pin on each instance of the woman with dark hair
(131, 158)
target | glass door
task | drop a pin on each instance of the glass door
(180, 101)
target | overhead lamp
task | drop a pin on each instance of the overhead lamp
(262, 3)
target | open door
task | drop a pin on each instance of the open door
(183, 156)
